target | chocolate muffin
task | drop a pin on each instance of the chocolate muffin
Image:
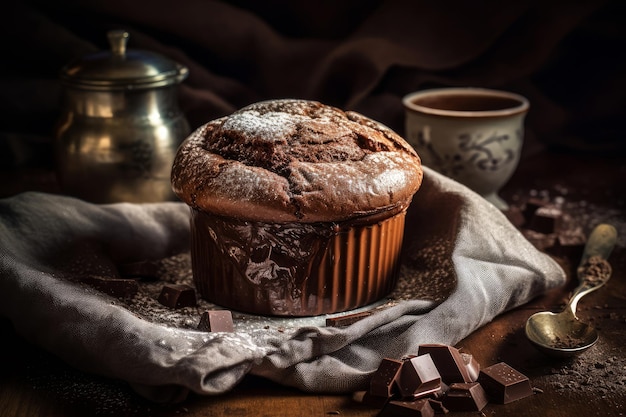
(297, 208)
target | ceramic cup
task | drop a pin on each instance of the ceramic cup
(472, 135)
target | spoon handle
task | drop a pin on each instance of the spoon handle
(580, 291)
(600, 243)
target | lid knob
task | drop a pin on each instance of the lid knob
(117, 40)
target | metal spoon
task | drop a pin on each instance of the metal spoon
(563, 334)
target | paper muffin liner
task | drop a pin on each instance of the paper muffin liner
(294, 269)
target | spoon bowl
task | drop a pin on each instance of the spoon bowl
(560, 334)
(563, 334)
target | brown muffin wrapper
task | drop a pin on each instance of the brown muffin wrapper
(294, 269)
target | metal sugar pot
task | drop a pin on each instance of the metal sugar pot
(120, 125)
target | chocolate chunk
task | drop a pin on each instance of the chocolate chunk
(531, 207)
(441, 392)
(448, 361)
(418, 377)
(358, 396)
(465, 397)
(216, 321)
(472, 365)
(539, 240)
(346, 319)
(384, 379)
(177, 296)
(399, 408)
(437, 406)
(546, 220)
(504, 384)
(569, 246)
(366, 398)
(141, 269)
(116, 287)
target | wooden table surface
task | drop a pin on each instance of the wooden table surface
(34, 383)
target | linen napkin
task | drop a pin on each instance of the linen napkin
(463, 264)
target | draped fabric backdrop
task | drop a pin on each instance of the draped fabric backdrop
(568, 58)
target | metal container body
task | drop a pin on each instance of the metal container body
(119, 145)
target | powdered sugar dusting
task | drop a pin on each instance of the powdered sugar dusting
(394, 177)
(294, 160)
(269, 127)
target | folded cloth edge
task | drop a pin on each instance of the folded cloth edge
(178, 360)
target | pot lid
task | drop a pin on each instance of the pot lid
(122, 68)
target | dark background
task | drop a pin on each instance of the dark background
(568, 58)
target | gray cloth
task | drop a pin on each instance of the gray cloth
(493, 266)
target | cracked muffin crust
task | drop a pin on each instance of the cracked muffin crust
(295, 160)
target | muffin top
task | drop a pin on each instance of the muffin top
(295, 160)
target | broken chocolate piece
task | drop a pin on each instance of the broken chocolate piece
(465, 397)
(177, 296)
(569, 246)
(116, 287)
(441, 392)
(448, 361)
(418, 377)
(141, 269)
(531, 207)
(399, 408)
(504, 384)
(546, 220)
(539, 240)
(358, 396)
(366, 398)
(472, 366)
(384, 379)
(437, 406)
(216, 321)
(346, 319)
